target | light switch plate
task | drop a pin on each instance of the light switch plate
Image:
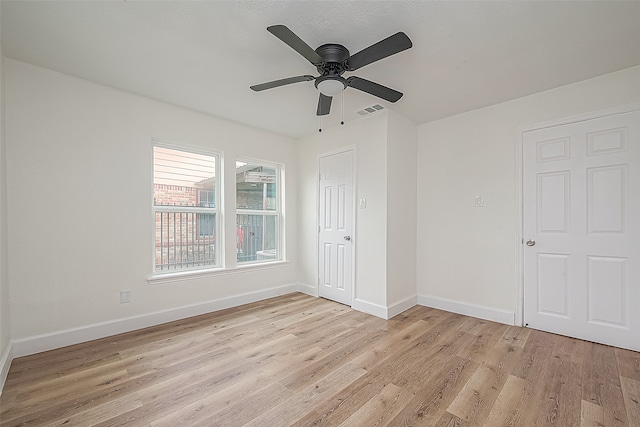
(363, 203)
(479, 202)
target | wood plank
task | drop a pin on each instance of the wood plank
(288, 411)
(557, 396)
(398, 341)
(628, 363)
(380, 409)
(333, 411)
(591, 415)
(474, 326)
(477, 396)
(485, 339)
(601, 384)
(234, 413)
(544, 380)
(449, 420)
(561, 389)
(515, 335)
(99, 413)
(631, 393)
(506, 409)
(429, 404)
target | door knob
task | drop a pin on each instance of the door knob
(531, 242)
(347, 238)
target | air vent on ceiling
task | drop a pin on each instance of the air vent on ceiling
(369, 110)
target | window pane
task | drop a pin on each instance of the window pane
(206, 224)
(256, 237)
(185, 240)
(181, 178)
(255, 187)
(184, 185)
(206, 199)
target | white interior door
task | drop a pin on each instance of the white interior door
(582, 229)
(335, 224)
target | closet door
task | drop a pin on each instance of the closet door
(582, 229)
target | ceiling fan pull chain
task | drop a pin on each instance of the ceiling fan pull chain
(320, 120)
(342, 107)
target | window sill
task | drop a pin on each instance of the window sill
(180, 276)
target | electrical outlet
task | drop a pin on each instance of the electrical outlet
(479, 202)
(125, 296)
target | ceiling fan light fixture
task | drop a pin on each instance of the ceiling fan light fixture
(331, 86)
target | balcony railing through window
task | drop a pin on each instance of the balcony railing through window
(185, 238)
(256, 237)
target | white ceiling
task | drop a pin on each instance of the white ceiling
(205, 55)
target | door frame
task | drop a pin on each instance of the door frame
(354, 236)
(519, 171)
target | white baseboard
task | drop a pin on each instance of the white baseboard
(370, 308)
(382, 311)
(58, 339)
(308, 289)
(402, 305)
(5, 364)
(473, 310)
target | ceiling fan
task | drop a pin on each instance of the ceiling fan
(332, 60)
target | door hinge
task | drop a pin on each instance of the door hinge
(318, 229)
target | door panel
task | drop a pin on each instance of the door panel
(582, 221)
(607, 290)
(336, 224)
(606, 199)
(552, 284)
(553, 202)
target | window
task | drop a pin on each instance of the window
(206, 199)
(206, 222)
(258, 212)
(185, 209)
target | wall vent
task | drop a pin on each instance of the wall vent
(369, 110)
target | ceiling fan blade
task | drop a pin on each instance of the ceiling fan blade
(324, 105)
(375, 89)
(387, 47)
(281, 82)
(296, 43)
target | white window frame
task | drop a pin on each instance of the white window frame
(219, 240)
(278, 212)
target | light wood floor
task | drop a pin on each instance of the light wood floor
(298, 360)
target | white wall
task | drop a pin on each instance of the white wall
(5, 327)
(467, 256)
(368, 134)
(401, 210)
(385, 281)
(79, 179)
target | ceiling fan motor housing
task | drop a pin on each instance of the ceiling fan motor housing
(335, 59)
